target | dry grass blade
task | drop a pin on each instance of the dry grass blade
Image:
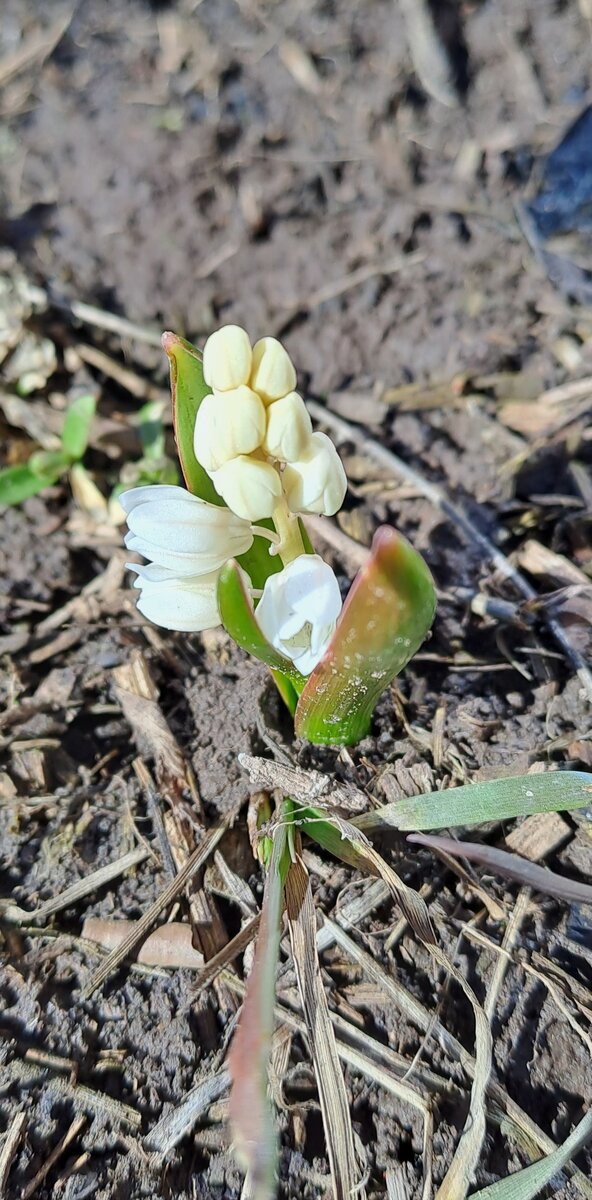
(165, 1135)
(342, 839)
(248, 1059)
(72, 1133)
(524, 1129)
(71, 895)
(10, 1145)
(121, 952)
(501, 863)
(235, 946)
(334, 1104)
(461, 1171)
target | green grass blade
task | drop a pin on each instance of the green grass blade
(19, 483)
(526, 1184)
(492, 800)
(385, 618)
(77, 426)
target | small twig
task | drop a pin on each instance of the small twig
(153, 806)
(10, 1146)
(235, 946)
(48, 1163)
(101, 319)
(351, 433)
(501, 863)
(117, 956)
(91, 883)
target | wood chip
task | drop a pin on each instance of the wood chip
(538, 836)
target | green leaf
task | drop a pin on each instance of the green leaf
(77, 424)
(239, 620)
(527, 1183)
(385, 618)
(492, 800)
(188, 388)
(19, 483)
(151, 430)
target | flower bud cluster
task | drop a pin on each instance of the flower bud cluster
(253, 433)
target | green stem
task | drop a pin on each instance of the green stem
(290, 545)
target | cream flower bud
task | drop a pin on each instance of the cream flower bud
(272, 374)
(298, 610)
(181, 532)
(186, 602)
(317, 483)
(249, 487)
(289, 428)
(228, 424)
(227, 358)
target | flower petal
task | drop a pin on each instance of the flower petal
(298, 610)
(181, 532)
(317, 482)
(249, 487)
(227, 424)
(227, 358)
(187, 602)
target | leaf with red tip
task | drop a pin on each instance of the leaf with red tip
(385, 618)
(251, 1119)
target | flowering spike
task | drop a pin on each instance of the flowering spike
(384, 620)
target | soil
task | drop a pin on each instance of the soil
(184, 165)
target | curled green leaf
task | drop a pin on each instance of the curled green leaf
(385, 618)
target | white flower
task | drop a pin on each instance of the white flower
(185, 602)
(227, 358)
(289, 428)
(317, 483)
(298, 610)
(249, 487)
(273, 373)
(228, 424)
(180, 532)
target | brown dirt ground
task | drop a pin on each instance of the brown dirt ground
(280, 166)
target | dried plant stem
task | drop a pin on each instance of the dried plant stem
(145, 923)
(10, 1146)
(351, 433)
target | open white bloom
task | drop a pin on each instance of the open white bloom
(289, 428)
(185, 602)
(298, 610)
(228, 424)
(178, 531)
(227, 358)
(317, 483)
(250, 487)
(272, 374)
